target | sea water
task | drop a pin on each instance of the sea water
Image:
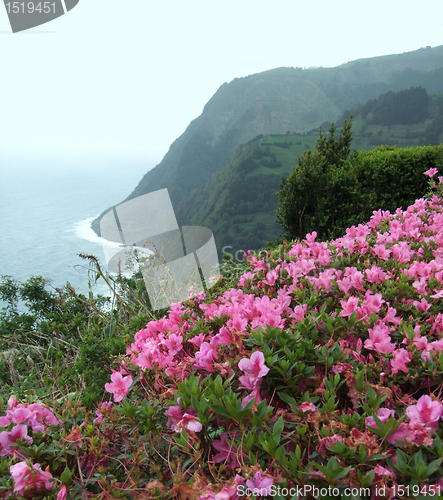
(46, 214)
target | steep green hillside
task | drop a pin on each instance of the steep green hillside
(238, 204)
(276, 101)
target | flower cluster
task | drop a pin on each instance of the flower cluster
(321, 365)
(23, 417)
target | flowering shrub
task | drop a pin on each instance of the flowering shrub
(323, 366)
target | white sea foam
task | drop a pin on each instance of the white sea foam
(83, 230)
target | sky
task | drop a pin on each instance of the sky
(114, 81)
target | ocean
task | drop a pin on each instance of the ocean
(45, 217)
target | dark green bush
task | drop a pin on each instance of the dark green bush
(332, 189)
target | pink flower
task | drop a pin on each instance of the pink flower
(401, 358)
(120, 386)
(391, 316)
(255, 366)
(400, 434)
(63, 493)
(223, 337)
(255, 395)
(271, 277)
(402, 252)
(237, 322)
(307, 406)
(227, 492)
(299, 312)
(260, 484)
(379, 339)
(7, 438)
(179, 419)
(421, 286)
(422, 306)
(226, 453)
(373, 302)
(328, 441)
(104, 408)
(345, 285)
(382, 471)
(381, 251)
(12, 402)
(198, 339)
(173, 343)
(383, 415)
(29, 480)
(248, 382)
(431, 172)
(349, 306)
(204, 358)
(375, 274)
(426, 412)
(190, 423)
(175, 414)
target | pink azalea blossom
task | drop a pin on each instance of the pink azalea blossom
(180, 418)
(381, 252)
(198, 339)
(426, 412)
(226, 453)
(349, 306)
(173, 343)
(328, 441)
(421, 286)
(190, 423)
(422, 306)
(401, 358)
(227, 492)
(307, 406)
(63, 493)
(119, 386)
(175, 414)
(391, 316)
(375, 275)
(379, 339)
(255, 366)
(10, 437)
(383, 471)
(299, 312)
(204, 359)
(372, 302)
(383, 415)
(223, 337)
(431, 172)
(103, 410)
(12, 402)
(400, 434)
(260, 484)
(30, 480)
(237, 322)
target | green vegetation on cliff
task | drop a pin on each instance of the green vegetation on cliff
(276, 101)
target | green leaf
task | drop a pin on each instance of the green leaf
(66, 476)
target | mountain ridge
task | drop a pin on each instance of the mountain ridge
(276, 101)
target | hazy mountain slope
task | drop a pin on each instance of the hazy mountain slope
(363, 79)
(238, 203)
(276, 101)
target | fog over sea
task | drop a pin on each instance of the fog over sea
(46, 211)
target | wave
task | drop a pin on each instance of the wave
(83, 230)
